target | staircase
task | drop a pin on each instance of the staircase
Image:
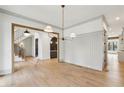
(19, 51)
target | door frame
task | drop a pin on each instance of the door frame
(13, 25)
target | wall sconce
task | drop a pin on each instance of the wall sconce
(72, 35)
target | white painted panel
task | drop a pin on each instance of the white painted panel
(28, 46)
(86, 50)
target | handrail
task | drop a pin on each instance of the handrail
(19, 51)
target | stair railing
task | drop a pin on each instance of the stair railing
(18, 50)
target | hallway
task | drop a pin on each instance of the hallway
(52, 73)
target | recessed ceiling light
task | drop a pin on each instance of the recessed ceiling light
(117, 18)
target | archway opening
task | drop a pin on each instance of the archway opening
(53, 47)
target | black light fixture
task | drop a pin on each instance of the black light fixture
(26, 33)
(72, 35)
(63, 22)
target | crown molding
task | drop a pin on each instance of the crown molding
(83, 22)
(41, 22)
(26, 18)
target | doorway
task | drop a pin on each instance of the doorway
(37, 47)
(53, 47)
(113, 48)
(113, 45)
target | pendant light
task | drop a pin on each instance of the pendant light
(26, 33)
(62, 6)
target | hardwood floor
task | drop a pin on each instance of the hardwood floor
(52, 73)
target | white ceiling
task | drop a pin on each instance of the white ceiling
(73, 14)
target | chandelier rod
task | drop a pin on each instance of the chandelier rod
(62, 21)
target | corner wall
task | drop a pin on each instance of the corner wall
(87, 49)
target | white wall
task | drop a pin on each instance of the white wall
(91, 26)
(1, 51)
(43, 45)
(121, 43)
(28, 46)
(5, 46)
(87, 49)
(121, 48)
(6, 38)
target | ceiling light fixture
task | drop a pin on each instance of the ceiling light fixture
(48, 29)
(72, 35)
(26, 33)
(117, 18)
(62, 6)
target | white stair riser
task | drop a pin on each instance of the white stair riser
(18, 59)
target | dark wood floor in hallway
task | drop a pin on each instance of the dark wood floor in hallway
(51, 73)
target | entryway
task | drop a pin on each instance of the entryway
(33, 44)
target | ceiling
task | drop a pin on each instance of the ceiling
(74, 14)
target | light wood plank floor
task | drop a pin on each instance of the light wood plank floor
(51, 73)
